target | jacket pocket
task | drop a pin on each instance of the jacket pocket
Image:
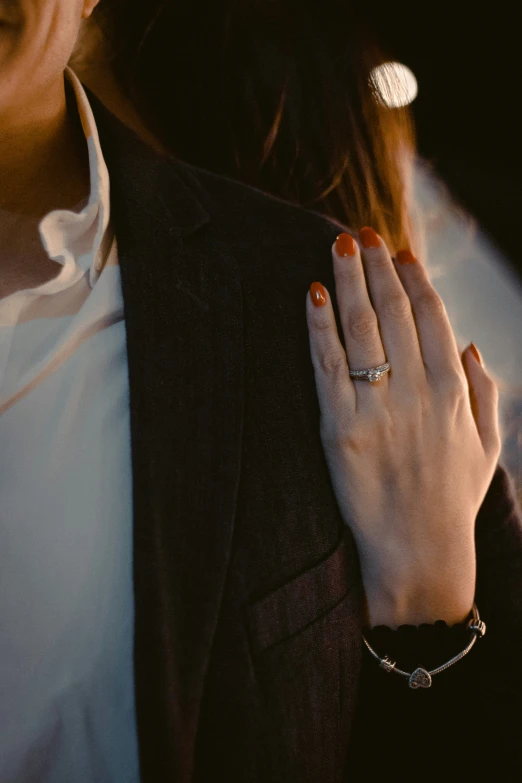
(306, 649)
(289, 609)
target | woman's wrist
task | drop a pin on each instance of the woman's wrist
(404, 591)
(418, 604)
(397, 614)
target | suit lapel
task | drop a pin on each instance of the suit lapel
(183, 315)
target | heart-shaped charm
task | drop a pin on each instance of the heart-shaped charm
(420, 678)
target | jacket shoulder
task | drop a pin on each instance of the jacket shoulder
(241, 210)
(237, 211)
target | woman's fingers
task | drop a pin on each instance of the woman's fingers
(389, 312)
(438, 345)
(375, 312)
(359, 321)
(483, 396)
(335, 390)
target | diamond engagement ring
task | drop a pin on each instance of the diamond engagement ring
(372, 374)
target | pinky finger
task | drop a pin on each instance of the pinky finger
(335, 390)
(484, 401)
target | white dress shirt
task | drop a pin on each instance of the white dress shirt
(66, 593)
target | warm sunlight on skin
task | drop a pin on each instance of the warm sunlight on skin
(36, 41)
(43, 160)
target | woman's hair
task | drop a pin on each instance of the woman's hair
(274, 93)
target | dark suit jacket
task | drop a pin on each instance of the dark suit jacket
(248, 657)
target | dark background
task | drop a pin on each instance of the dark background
(467, 63)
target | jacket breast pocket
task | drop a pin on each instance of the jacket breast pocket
(306, 645)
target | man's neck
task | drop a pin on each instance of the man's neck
(43, 159)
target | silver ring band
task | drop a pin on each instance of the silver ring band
(371, 374)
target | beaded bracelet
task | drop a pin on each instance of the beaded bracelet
(421, 678)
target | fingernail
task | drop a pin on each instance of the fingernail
(475, 351)
(368, 237)
(318, 294)
(345, 245)
(405, 257)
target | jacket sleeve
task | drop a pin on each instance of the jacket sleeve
(470, 721)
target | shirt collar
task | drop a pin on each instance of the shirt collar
(80, 240)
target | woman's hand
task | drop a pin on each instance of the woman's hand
(411, 456)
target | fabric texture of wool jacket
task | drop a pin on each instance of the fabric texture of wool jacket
(249, 662)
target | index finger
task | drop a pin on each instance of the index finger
(335, 390)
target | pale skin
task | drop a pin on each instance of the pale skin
(412, 455)
(43, 156)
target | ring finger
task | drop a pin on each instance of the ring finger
(374, 332)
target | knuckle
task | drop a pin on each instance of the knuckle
(322, 325)
(429, 303)
(492, 386)
(362, 323)
(332, 433)
(343, 437)
(350, 273)
(453, 387)
(397, 307)
(378, 261)
(331, 361)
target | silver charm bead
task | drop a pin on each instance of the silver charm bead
(387, 664)
(478, 627)
(420, 678)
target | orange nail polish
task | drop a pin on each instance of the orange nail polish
(405, 257)
(474, 350)
(318, 294)
(369, 238)
(345, 245)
